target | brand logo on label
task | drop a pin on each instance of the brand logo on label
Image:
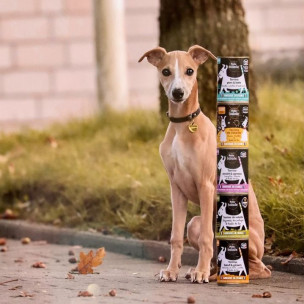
(243, 245)
(245, 110)
(243, 154)
(245, 202)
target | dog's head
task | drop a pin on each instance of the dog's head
(177, 70)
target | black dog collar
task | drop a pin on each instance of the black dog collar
(185, 118)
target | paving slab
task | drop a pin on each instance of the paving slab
(133, 279)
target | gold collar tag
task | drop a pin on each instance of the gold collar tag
(193, 127)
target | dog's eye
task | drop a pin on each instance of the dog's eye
(166, 72)
(189, 72)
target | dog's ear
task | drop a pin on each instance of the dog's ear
(199, 54)
(154, 56)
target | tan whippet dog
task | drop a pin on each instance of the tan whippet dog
(188, 152)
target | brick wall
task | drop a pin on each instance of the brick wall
(142, 35)
(276, 27)
(47, 61)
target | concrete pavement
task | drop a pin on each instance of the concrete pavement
(133, 279)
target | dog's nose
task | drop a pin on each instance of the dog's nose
(178, 94)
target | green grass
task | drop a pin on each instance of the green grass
(106, 171)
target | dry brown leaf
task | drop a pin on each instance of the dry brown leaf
(266, 294)
(16, 287)
(24, 294)
(19, 260)
(9, 215)
(38, 265)
(257, 296)
(292, 255)
(84, 294)
(2, 241)
(52, 142)
(70, 276)
(87, 261)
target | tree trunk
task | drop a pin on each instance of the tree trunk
(218, 26)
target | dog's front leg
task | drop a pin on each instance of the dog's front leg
(205, 241)
(179, 213)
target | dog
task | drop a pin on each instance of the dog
(188, 152)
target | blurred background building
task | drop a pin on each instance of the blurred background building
(48, 63)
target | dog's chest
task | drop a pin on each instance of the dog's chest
(180, 163)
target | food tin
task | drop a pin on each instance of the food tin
(232, 79)
(232, 125)
(232, 262)
(232, 170)
(232, 217)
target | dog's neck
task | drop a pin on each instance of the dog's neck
(187, 107)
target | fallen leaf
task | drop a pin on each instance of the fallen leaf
(292, 255)
(257, 296)
(275, 181)
(266, 294)
(284, 252)
(9, 215)
(16, 287)
(87, 261)
(24, 294)
(52, 142)
(84, 294)
(57, 222)
(92, 230)
(2, 241)
(38, 265)
(70, 276)
(74, 270)
(25, 240)
(3, 283)
(19, 260)
(283, 151)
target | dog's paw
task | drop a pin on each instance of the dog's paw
(168, 275)
(197, 276)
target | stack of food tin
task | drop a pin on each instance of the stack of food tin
(232, 226)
